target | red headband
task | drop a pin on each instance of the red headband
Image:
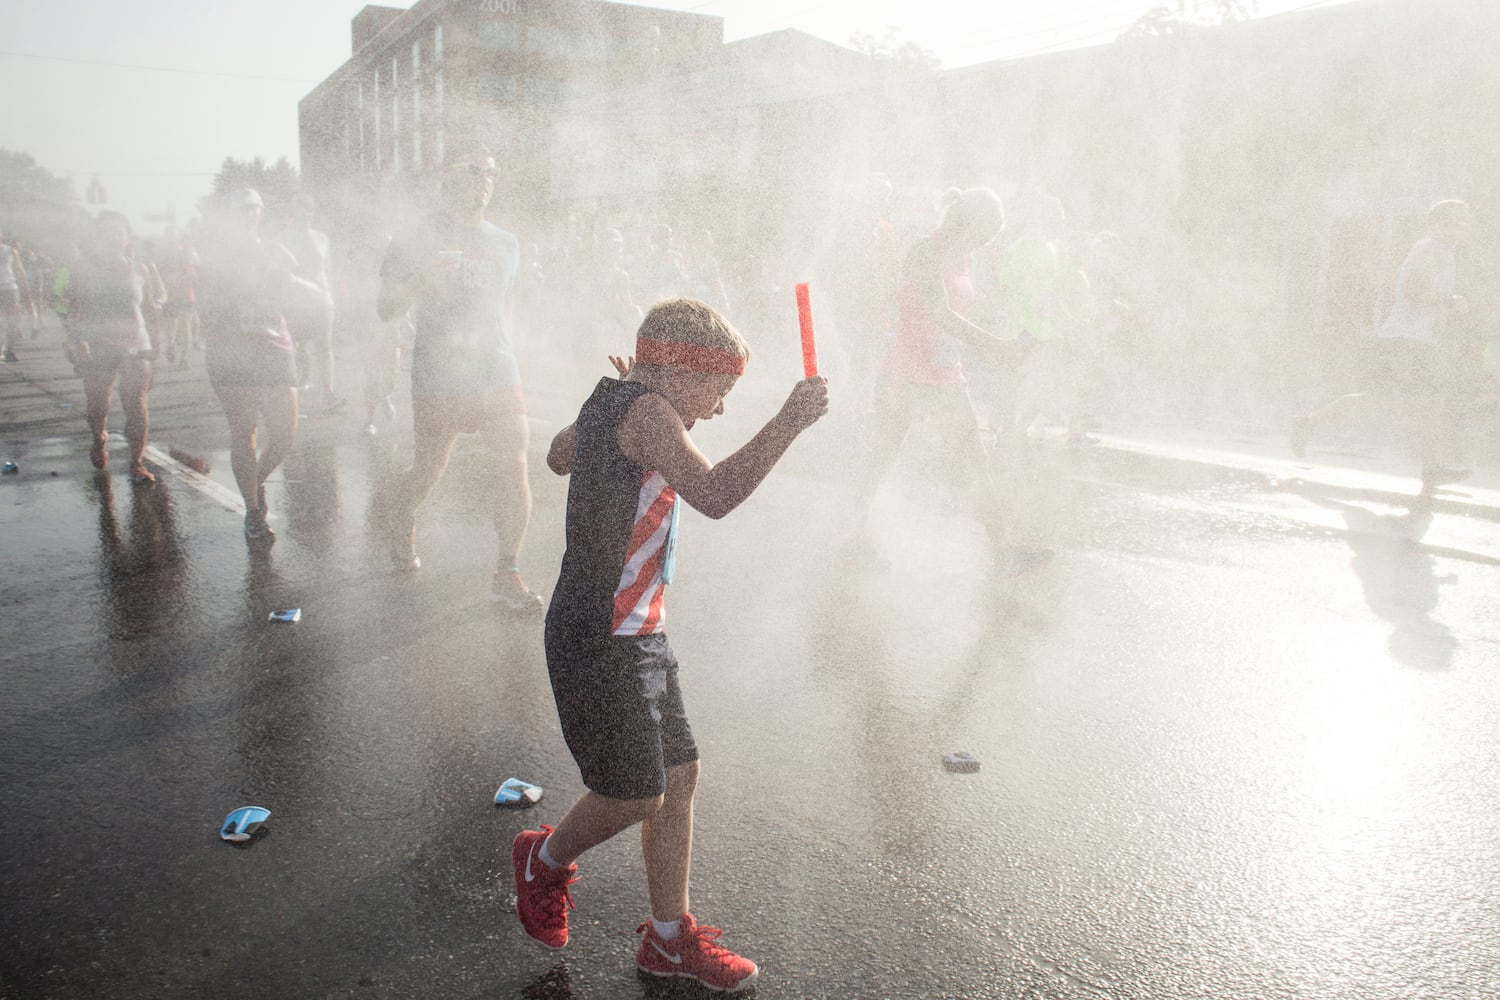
(708, 360)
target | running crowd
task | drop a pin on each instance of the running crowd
(980, 326)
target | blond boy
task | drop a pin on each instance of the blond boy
(613, 674)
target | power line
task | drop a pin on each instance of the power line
(159, 69)
(111, 174)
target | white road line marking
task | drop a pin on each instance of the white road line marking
(220, 494)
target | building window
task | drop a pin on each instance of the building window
(437, 145)
(437, 91)
(416, 128)
(437, 43)
(359, 105)
(497, 88)
(395, 116)
(416, 61)
(563, 44)
(375, 101)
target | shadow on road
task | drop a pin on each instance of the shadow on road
(1398, 574)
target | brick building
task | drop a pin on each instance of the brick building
(499, 72)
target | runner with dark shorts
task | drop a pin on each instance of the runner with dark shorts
(179, 273)
(1418, 353)
(922, 376)
(457, 276)
(110, 295)
(245, 286)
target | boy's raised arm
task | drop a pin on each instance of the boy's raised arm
(653, 434)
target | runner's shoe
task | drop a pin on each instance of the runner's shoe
(510, 590)
(256, 528)
(694, 954)
(542, 900)
(399, 539)
(402, 548)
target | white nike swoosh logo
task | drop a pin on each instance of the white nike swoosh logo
(530, 877)
(674, 959)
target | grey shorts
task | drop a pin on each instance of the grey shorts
(621, 710)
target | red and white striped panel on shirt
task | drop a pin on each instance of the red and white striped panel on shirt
(638, 598)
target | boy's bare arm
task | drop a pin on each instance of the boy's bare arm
(560, 452)
(653, 435)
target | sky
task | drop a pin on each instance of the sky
(152, 96)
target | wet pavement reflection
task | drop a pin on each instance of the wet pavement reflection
(1227, 735)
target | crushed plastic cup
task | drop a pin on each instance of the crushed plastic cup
(289, 615)
(242, 824)
(960, 762)
(518, 794)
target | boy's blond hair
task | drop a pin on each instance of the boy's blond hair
(688, 321)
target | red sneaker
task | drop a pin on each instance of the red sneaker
(694, 954)
(542, 900)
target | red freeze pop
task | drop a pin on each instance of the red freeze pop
(804, 317)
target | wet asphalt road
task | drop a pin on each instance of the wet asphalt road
(1238, 738)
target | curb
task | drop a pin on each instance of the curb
(1290, 474)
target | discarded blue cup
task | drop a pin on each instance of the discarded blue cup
(518, 794)
(240, 825)
(960, 762)
(289, 615)
(10, 468)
